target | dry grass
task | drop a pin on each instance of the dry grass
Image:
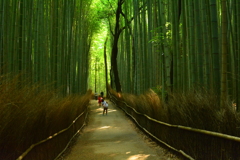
(202, 110)
(30, 114)
(197, 109)
(194, 109)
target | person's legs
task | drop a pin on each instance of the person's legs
(105, 109)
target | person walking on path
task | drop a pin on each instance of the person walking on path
(99, 100)
(105, 106)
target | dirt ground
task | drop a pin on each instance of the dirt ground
(114, 137)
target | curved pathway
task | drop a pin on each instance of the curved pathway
(114, 137)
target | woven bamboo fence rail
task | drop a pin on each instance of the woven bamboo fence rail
(190, 142)
(46, 146)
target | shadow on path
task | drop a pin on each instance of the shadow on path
(113, 137)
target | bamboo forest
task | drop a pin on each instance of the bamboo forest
(176, 61)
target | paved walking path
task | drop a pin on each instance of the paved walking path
(113, 137)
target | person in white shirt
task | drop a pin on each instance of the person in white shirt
(105, 107)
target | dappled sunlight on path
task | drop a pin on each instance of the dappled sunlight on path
(112, 137)
(139, 156)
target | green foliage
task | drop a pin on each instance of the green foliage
(161, 38)
(159, 90)
(48, 41)
(96, 73)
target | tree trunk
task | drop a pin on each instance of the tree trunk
(105, 61)
(215, 45)
(117, 32)
(114, 65)
(224, 54)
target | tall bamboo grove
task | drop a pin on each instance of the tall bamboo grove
(46, 41)
(179, 46)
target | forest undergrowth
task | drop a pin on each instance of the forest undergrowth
(30, 113)
(196, 109)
